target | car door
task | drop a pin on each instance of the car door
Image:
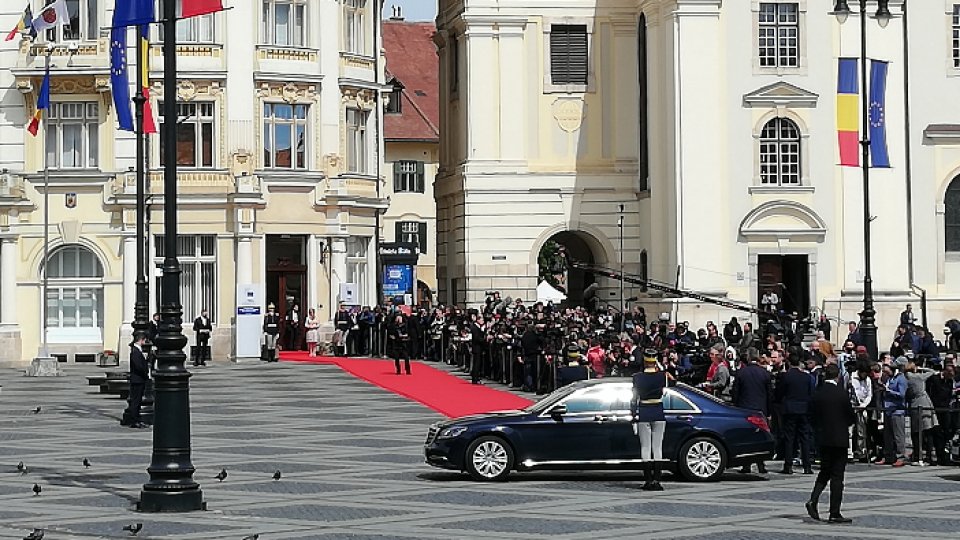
(682, 419)
(581, 434)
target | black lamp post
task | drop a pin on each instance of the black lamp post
(623, 307)
(141, 316)
(868, 324)
(171, 487)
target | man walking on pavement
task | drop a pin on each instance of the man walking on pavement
(752, 389)
(794, 392)
(832, 415)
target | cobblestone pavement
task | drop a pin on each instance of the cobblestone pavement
(350, 455)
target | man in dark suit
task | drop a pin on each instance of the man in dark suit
(794, 391)
(292, 328)
(832, 416)
(139, 375)
(202, 327)
(753, 389)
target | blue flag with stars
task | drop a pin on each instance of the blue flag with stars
(119, 80)
(878, 114)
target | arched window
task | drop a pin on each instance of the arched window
(951, 216)
(780, 153)
(75, 295)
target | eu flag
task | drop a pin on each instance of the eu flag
(133, 13)
(878, 114)
(119, 81)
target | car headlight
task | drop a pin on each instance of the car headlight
(451, 432)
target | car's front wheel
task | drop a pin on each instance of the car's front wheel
(489, 459)
(702, 459)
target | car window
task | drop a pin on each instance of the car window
(600, 398)
(673, 402)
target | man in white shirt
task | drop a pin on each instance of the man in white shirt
(861, 396)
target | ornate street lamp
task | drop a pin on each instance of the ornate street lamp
(841, 9)
(171, 487)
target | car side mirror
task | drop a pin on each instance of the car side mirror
(558, 410)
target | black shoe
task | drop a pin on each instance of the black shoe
(408, 373)
(647, 486)
(745, 469)
(139, 425)
(812, 510)
(808, 470)
(656, 487)
(762, 468)
(839, 519)
(785, 471)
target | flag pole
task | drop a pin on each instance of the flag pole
(46, 212)
(140, 310)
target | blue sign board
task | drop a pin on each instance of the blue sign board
(248, 310)
(397, 280)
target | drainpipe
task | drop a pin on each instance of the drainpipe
(376, 75)
(907, 144)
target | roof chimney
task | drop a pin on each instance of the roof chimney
(397, 13)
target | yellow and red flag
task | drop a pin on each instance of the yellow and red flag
(848, 100)
(43, 103)
(149, 124)
(25, 22)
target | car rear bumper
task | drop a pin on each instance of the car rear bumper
(754, 452)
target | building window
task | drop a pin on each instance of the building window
(357, 266)
(75, 291)
(955, 36)
(198, 281)
(780, 153)
(408, 177)
(412, 232)
(394, 105)
(354, 26)
(779, 34)
(73, 135)
(285, 136)
(285, 22)
(196, 29)
(357, 141)
(82, 26)
(568, 54)
(195, 135)
(951, 203)
(453, 59)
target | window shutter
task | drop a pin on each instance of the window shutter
(568, 54)
(420, 178)
(397, 185)
(422, 235)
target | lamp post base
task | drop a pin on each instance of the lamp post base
(173, 500)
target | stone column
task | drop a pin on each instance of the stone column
(130, 248)
(313, 263)
(244, 260)
(8, 281)
(338, 274)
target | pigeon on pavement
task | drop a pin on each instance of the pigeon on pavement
(252, 537)
(37, 410)
(37, 534)
(133, 528)
(21, 468)
(222, 475)
(37, 489)
(86, 463)
(277, 475)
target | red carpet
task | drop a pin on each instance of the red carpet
(437, 389)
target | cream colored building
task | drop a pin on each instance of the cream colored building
(412, 142)
(713, 122)
(280, 171)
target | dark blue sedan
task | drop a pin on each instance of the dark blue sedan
(587, 425)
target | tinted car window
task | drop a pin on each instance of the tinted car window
(673, 402)
(600, 398)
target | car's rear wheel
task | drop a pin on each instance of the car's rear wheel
(489, 459)
(702, 459)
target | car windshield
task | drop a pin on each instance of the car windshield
(551, 398)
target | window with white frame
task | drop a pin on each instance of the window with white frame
(193, 29)
(83, 24)
(195, 134)
(412, 232)
(198, 281)
(779, 35)
(357, 140)
(408, 176)
(357, 265)
(285, 22)
(354, 26)
(285, 136)
(780, 153)
(75, 291)
(568, 54)
(955, 36)
(73, 135)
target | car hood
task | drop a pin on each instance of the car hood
(480, 418)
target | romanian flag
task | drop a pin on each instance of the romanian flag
(43, 103)
(848, 100)
(25, 22)
(149, 125)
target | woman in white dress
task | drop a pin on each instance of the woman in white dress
(312, 324)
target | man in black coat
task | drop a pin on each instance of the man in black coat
(832, 415)
(139, 375)
(202, 327)
(753, 389)
(794, 391)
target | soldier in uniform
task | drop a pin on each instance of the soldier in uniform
(202, 327)
(271, 331)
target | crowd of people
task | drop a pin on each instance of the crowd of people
(907, 394)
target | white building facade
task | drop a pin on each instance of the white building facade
(714, 124)
(279, 153)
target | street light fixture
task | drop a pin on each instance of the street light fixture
(841, 10)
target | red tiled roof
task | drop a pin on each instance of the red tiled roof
(412, 60)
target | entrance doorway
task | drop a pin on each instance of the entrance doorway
(570, 281)
(789, 277)
(287, 283)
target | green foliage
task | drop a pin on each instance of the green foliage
(552, 265)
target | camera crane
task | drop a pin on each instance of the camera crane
(663, 287)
